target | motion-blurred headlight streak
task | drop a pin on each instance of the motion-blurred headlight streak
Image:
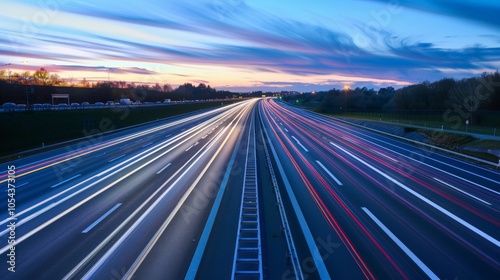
(43, 164)
(137, 158)
(116, 168)
(188, 166)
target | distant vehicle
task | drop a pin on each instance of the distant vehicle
(99, 104)
(37, 106)
(85, 104)
(125, 101)
(47, 106)
(157, 102)
(168, 100)
(110, 103)
(62, 106)
(8, 106)
(74, 104)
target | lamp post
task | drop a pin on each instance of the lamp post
(346, 89)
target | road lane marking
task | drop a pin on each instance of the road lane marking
(60, 183)
(101, 218)
(204, 136)
(464, 192)
(386, 156)
(300, 144)
(145, 145)
(426, 200)
(402, 246)
(164, 167)
(329, 173)
(189, 148)
(100, 155)
(67, 167)
(116, 158)
(285, 129)
(18, 186)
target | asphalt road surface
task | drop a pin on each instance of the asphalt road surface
(161, 201)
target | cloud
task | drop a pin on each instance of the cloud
(237, 35)
(485, 12)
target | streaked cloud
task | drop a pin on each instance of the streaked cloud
(181, 40)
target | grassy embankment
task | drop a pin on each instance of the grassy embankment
(431, 124)
(27, 130)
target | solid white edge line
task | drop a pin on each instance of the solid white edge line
(67, 180)
(426, 200)
(311, 243)
(91, 226)
(165, 167)
(401, 245)
(329, 173)
(464, 192)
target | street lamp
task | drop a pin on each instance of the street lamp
(346, 88)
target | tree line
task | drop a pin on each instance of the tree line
(469, 94)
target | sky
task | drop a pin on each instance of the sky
(247, 45)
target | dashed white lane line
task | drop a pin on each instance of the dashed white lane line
(101, 218)
(329, 173)
(300, 144)
(464, 192)
(401, 245)
(164, 167)
(67, 180)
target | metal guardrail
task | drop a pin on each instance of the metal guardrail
(292, 252)
(419, 143)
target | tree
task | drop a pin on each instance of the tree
(167, 88)
(3, 74)
(41, 77)
(55, 80)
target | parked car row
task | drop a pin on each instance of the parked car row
(10, 106)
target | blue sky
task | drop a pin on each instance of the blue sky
(253, 45)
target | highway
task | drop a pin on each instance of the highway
(162, 201)
(394, 210)
(95, 210)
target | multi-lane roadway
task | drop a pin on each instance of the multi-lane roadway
(162, 201)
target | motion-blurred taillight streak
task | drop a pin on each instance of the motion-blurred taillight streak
(301, 127)
(328, 215)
